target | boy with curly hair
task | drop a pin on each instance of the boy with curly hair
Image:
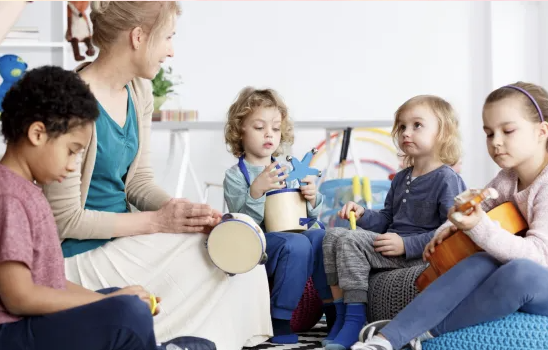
(47, 123)
(257, 129)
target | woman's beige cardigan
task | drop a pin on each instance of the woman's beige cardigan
(67, 199)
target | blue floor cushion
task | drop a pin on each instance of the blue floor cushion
(519, 331)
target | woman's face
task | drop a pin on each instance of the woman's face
(151, 58)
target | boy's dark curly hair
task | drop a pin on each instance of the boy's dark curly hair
(56, 97)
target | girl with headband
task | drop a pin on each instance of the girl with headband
(511, 274)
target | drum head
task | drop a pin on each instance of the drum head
(235, 247)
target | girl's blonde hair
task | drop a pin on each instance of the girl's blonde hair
(448, 142)
(247, 102)
(538, 93)
(110, 18)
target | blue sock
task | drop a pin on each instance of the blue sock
(282, 332)
(354, 321)
(340, 309)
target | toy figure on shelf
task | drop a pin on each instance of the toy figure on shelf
(79, 28)
(12, 68)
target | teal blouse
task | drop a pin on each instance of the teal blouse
(116, 150)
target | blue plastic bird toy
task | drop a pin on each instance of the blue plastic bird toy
(302, 168)
(12, 68)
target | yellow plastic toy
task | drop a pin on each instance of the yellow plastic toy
(153, 304)
(352, 218)
(367, 196)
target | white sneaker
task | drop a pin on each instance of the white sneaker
(368, 337)
(373, 343)
(415, 344)
(373, 327)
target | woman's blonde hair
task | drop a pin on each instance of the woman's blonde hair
(247, 102)
(110, 18)
(448, 142)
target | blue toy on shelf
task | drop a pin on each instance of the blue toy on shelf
(12, 68)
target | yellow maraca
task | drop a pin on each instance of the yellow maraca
(153, 304)
(367, 197)
(352, 218)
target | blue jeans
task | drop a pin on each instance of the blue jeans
(478, 289)
(118, 323)
(292, 259)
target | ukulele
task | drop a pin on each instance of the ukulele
(459, 246)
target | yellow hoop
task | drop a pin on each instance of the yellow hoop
(365, 139)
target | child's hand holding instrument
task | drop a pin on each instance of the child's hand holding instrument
(466, 201)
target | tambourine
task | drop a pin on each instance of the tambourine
(237, 244)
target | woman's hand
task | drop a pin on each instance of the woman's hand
(183, 216)
(216, 219)
(268, 180)
(344, 213)
(309, 190)
(436, 240)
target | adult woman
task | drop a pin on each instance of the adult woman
(107, 245)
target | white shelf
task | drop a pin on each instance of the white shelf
(50, 48)
(34, 44)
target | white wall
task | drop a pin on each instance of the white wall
(349, 60)
(332, 60)
(518, 46)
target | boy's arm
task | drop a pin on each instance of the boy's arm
(379, 221)
(78, 289)
(451, 187)
(414, 245)
(313, 212)
(22, 297)
(238, 197)
(18, 292)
